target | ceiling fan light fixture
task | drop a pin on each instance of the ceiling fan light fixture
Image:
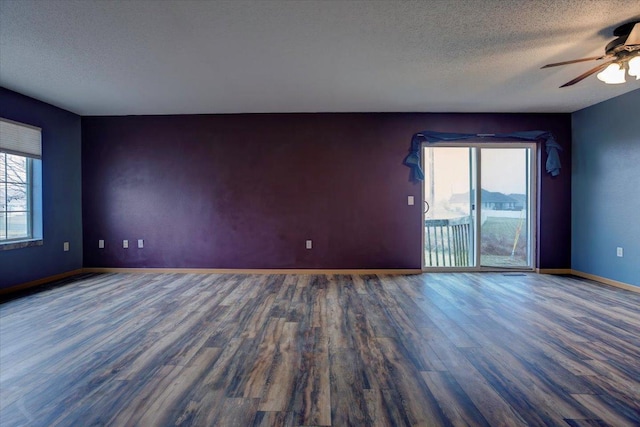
(621, 54)
(613, 74)
(634, 67)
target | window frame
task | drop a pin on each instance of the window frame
(28, 184)
(33, 184)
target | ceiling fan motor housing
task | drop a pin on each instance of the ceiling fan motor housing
(627, 41)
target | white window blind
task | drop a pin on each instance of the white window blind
(18, 138)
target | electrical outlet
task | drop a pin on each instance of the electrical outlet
(140, 243)
(309, 244)
(619, 252)
(100, 244)
(410, 200)
(125, 244)
(65, 246)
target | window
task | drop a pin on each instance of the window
(20, 177)
(15, 197)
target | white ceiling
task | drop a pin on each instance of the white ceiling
(179, 57)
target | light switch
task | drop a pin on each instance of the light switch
(309, 244)
(65, 246)
(101, 244)
(410, 200)
(140, 243)
(125, 244)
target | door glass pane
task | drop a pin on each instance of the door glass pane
(504, 203)
(448, 221)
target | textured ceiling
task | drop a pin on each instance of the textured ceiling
(178, 57)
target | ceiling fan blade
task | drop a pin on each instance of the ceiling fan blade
(588, 73)
(573, 61)
(634, 36)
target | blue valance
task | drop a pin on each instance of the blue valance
(413, 159)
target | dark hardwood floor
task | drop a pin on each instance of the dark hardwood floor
(295, 350)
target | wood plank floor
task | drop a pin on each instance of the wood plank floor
(315, 350)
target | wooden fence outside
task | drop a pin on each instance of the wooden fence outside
(447, 242)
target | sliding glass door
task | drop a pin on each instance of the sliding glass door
(449, 220)
(505, 207)
(488, 229)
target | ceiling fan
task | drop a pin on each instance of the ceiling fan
(621, 53)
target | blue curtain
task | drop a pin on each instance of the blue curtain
(413, 159)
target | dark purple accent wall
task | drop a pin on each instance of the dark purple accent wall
(247, 190)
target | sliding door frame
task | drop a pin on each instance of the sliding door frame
(532, 187)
